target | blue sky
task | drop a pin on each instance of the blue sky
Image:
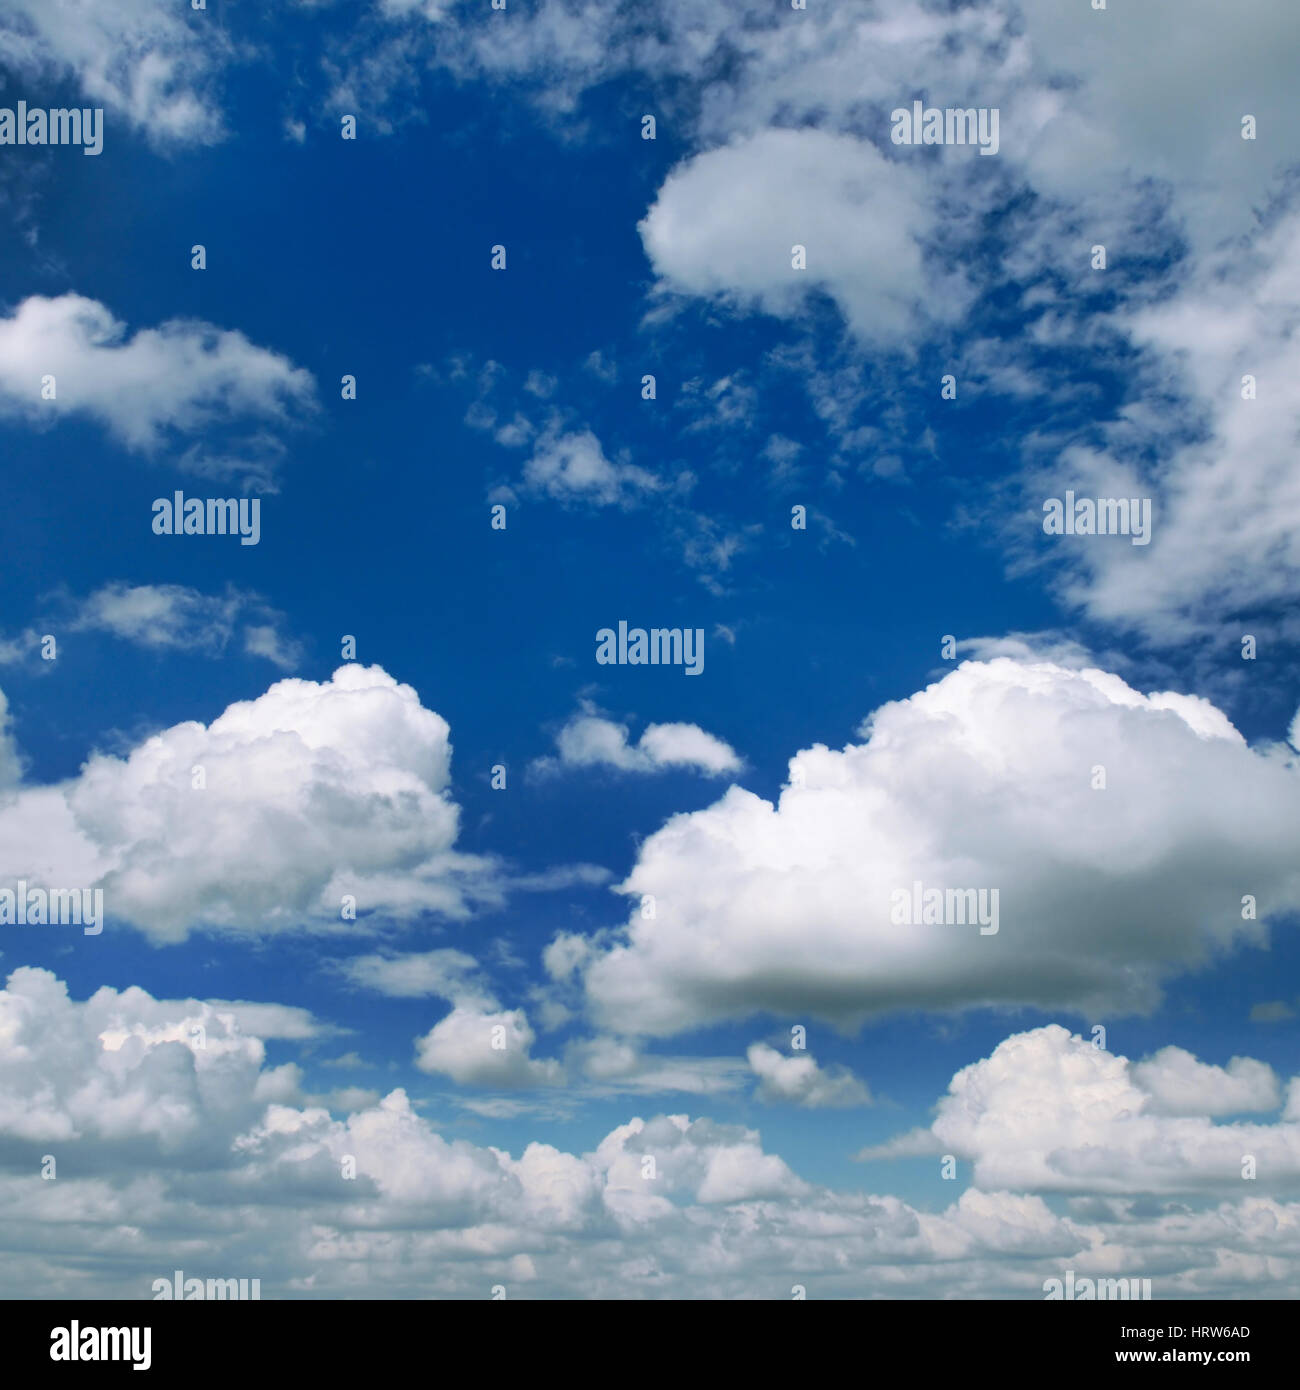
(763, 813)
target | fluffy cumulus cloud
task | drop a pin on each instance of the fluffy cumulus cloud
(181, 377)
(1048, 1111)
(796, 1079)
(988, 780)
(480, 1043)
(1180, 1085)
(164, 1117)
(309, 793)
(590, 740)
(124, 1073)
(478, 1046)
(726, 222)
(477, 1043)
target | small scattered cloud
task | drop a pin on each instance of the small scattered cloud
(172, 617)
(798, 1080)
(1273, 1011)
(591, 740)
(571, 465)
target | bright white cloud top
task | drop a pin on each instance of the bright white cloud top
(122, 1076)
(985, 780)
(180, 376)
(310, 793)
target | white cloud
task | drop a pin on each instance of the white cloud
(11, 768)
(124, 1069)
(601, 367)
(1054, 647)
(540, 384)
(461, 1044)
(172, 616)
(442, 974)
(589, 740)
(477, 1045)
(1128, 112)
(24, 647)
(516, 434)
(667, 1206)
(798, 1080)
(728, 403)
(151, 62)
(432, 10)
(983, 780)
(312, 791)
(1225, 539)
(687, 745)
(1180, 1085)
(1271, 1011)
(159, 615)
(560, 877)
(266, 640)
(183, 376)
(725, 222)
(613, 1066)
(572, 467)
(1048, 1111)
